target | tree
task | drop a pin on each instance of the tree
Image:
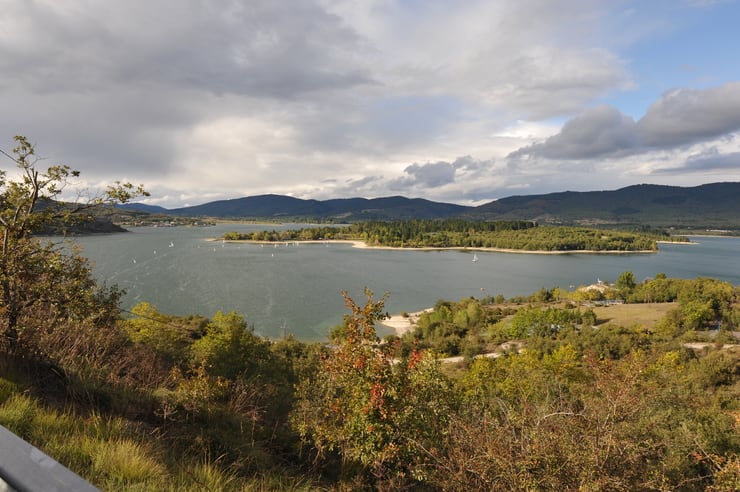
(39, 276)
(376, 413)
(625, 284)
(169, 336)
(230, 349)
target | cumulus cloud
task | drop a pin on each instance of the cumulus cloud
(596, 132)
(432, 174)
(679, 118)
(685, 116)
(438, 174)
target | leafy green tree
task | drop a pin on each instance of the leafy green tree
(718, 296)
(230, 349)
(533, 321)
(695, 314)
(588, 318)
(39, 276)
(625, 284)
(169, 336)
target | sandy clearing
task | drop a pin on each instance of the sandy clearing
(402, 324)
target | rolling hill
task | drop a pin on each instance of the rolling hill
(278, 207)
(714, 206)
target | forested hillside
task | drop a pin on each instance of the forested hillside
(707, 206)
(276, 207)
(710, 206)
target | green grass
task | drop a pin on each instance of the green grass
(124, 462)
(115, 454)
(17, 414)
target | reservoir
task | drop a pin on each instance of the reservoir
(296, 288)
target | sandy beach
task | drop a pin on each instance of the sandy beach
(363, 245)
(402, 324)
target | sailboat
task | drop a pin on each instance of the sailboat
(475, 257)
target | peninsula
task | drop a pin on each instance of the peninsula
(502, 236)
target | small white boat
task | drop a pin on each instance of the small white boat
(475, 257)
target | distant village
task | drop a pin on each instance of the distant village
(161, 221)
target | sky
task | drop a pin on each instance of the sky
(458, 101)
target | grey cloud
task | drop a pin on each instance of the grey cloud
(597, 132)
(438, 174)
(439, 180)
(362, 182)
(101, 133)
(711, 160)
(467, 163)
(552, 82)
(379, 125)
(262, 48)
(120, 85)
(685, 116)
(542, 65)
(679, 118)
(333, 188)
(432, 174)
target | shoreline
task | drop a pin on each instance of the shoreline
(659, 241)
(401, 324)
(363, 245)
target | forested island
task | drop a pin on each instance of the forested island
(454, 233)
(552, 391)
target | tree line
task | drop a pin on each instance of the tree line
(519, 235)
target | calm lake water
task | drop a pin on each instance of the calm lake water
(297, 289)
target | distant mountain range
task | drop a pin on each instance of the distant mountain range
(715, 205)
(278, 207)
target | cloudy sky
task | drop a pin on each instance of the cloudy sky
(460, 101)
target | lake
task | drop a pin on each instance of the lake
(296, 289)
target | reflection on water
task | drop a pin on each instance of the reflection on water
(289, 288)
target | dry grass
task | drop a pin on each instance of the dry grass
(627, 315)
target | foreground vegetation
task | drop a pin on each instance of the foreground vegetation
(455, 233)
(159, 402)
(668, 309)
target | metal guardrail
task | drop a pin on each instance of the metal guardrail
(24, 468)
